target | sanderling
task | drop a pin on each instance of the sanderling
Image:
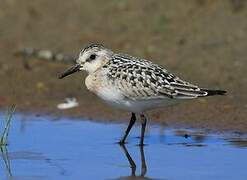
(133, 84)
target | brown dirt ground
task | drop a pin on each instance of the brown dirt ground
(202, 41)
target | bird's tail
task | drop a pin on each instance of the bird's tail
(214, 92)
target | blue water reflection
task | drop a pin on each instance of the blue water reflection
(42, 148)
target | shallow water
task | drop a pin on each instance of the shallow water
(44, 148)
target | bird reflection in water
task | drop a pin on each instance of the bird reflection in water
(132, 164)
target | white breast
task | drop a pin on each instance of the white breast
(114, 97)
(110, 94)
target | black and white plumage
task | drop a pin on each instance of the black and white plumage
(133, 84)
(142, 79)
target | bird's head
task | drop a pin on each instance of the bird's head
(90, 59)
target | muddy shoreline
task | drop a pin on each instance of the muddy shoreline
(212, 118)
(202, 41)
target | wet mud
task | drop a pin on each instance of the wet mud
(202, 41)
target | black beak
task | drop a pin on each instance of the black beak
(70, 71)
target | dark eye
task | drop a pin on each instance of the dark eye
(92, 57)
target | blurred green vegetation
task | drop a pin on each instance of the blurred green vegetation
(6, 126)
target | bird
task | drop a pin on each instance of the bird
(132, 84)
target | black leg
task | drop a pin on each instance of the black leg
(131, 123)
(144, 122)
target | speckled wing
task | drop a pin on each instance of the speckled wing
(142, 79)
